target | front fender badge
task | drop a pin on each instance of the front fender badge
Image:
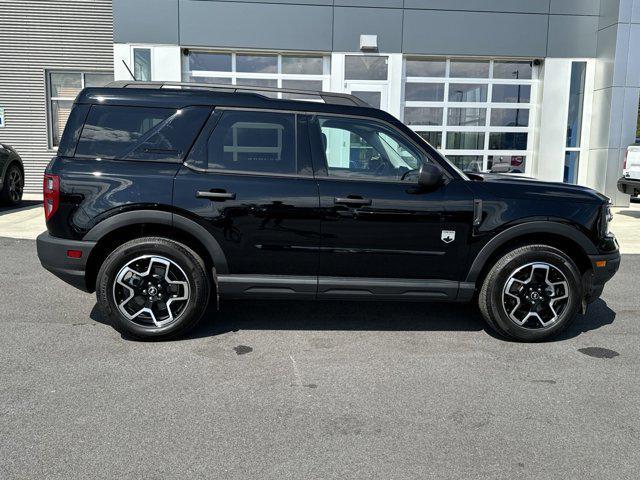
(448, 236)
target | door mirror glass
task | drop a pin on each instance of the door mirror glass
(430, 176)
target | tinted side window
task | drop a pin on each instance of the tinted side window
(359, 148)
(110, 132)
(254, 142)
(171, 139)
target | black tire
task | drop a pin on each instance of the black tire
(494, 302)
(13, 186)
(184, 264)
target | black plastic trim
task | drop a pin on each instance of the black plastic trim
(52, 252)
(523, 229)
(162, 217)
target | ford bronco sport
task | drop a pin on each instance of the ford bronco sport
(164, 197)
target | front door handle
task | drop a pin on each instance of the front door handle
(216, 195)
(353, 201)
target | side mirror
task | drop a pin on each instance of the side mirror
(429, 176)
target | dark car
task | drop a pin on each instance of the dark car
(164, 197)
(11, 176)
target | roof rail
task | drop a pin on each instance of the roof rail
(327, 97)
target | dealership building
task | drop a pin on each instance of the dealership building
(545, 88)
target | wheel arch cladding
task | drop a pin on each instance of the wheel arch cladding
(557, 235)
(142, 223)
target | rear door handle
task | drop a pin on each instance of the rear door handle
(352, 200)
(216, 195)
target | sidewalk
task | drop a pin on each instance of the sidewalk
(28, 222)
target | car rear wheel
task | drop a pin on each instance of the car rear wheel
(153, 288)
(13, 186)
(531, 294)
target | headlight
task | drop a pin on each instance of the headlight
(605, 219)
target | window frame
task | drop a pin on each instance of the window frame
(49, 98)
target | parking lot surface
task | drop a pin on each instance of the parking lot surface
(312, 390)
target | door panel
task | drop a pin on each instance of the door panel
(270, 227)
(376, 221)
(266, 220)
(397, 236)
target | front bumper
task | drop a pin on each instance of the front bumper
(630, 186)
(53, 255)
(603, 268)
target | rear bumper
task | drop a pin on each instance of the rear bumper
(603, 268)
(630, 186)
(52, 252)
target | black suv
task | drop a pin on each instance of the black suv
(164, 196)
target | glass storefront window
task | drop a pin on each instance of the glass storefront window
(423, 115)
(465, 140)
(576, 103)
(469, 117)
(425, 68)
(302, 65)
(294, 71)
(509, 117)
(142, 64)
(432, 138)
(511, 93)
(212, 62)
(366, 67)
(424, 92)
(62, 89)
(507, 163)
(467, 92)
(469, 69)
(472, 109)
(256, 63)
(507, 141)
(512, 70)
(571, 163)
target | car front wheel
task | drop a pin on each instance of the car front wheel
(153, 288)
(531, 294)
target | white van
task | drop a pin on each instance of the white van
(630, 181)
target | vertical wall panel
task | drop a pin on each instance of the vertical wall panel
(35, 36)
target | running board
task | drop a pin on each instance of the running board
(343, 288)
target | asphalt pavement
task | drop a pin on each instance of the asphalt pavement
(312, 390)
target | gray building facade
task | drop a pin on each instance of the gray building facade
(546, 88)
(572, 117)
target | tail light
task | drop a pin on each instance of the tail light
(51, 194)
(624, 165)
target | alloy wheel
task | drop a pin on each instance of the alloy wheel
(151, 291)
(535, 295)
(16, 185)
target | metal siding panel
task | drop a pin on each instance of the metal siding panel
(575, 7)
(248, 25)
(350, 22)
(572, 36)
(473, 33)
(509, 6)
(38, 36)
(145, 21)
(369, 3)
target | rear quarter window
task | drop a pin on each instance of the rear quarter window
(140, 133)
